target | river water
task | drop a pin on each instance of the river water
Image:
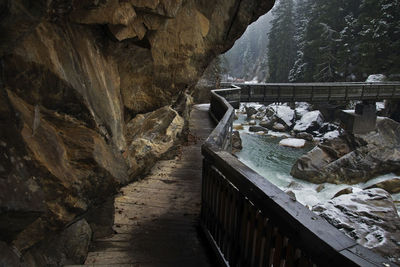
(263, 154)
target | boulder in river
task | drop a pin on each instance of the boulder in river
(295, 185)
(257, 129)
(284, 114)
(291, 194)
(309, 122)
(351, 159)
(305, 136)
(320, 188)
(236, 142)
(238, 127)
(279, 127)
(368, 216)
(250, 111)
(267, 123)
(392, 186)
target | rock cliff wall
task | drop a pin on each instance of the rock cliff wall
(91, 92)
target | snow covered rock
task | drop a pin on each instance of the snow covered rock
(380, 106)
(301, 109)
(293, 142)
(330, 135)
(376, 78)
(267, 123)
(368, 216)
(352, 159)
(310, 122)
(279, 127)
(328, 127)
(284, 113)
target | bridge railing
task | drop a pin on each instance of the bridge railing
(250, 222)
(318, 92)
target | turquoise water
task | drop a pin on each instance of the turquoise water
(263, 154)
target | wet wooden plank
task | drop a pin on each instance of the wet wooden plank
(156, 218)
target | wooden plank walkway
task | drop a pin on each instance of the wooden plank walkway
(156, 218)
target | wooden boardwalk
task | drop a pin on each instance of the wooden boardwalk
(156, 219)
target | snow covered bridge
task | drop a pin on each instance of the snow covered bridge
(313, 92)
(361, 121)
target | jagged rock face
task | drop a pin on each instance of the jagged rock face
(75, 77)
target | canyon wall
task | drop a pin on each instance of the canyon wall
(92, 92)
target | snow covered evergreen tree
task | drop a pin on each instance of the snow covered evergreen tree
(281, 47)
(302, 18)
(379, 37)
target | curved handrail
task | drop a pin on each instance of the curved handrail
(249, 221)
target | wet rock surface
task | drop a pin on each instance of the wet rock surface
(392, 186)
(353, 159)
(77, 77)
(368, 216)
(236, 142)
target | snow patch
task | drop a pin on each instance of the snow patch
(380, 106)
(293, 142)
(376, 78)
(331, 135)
(254, 81)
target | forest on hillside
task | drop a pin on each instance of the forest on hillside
(318, 41)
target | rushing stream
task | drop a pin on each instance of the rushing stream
(263, 154)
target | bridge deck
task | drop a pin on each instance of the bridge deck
(317, 92)
(156, 218)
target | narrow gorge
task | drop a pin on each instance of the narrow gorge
(92, 93)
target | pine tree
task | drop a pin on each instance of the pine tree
(302, 17)
(379, 36)
(281, 47)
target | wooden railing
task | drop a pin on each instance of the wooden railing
(318, 92)
(250, 222)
